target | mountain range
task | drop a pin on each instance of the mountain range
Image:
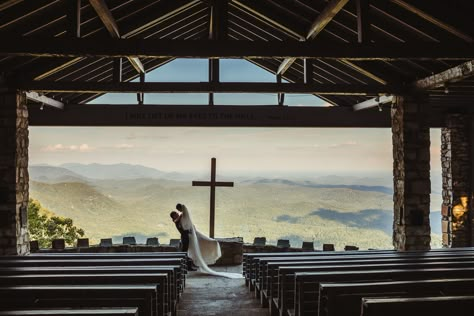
(123, 199)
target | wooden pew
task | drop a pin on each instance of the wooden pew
(255, 269)
(250, 258)
(269, 267)
(345, 298)
(100, 255)
(432, 306)
(72, 312)
(173, 273)
(309, 282)
(160, 279)
(286, 290)
(28, 296)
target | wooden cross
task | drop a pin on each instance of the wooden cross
(213, 184)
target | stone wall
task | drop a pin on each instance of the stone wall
(13, 174)
(411, 175)
(456, 168)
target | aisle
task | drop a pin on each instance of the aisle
(209, 295)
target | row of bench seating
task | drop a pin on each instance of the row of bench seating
(148, 284)
(344, 283)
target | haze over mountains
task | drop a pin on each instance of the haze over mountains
(124, 199)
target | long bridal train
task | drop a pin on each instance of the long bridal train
(203, 250)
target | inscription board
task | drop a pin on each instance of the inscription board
(204, 115)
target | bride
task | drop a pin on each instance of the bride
(202, 250)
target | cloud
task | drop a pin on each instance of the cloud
(67, 148)
(124, 146)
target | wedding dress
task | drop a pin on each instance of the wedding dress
(202, 249)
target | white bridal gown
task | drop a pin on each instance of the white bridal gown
(202, 249)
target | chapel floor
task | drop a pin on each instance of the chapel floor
(209, 295)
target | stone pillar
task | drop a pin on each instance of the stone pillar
(13, 174)
(411, 175)
(456, 145)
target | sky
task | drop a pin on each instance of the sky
(238, 150)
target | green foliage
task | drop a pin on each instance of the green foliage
(44, 226)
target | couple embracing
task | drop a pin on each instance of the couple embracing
(202, 250)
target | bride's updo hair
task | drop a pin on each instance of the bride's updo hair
(179, 207)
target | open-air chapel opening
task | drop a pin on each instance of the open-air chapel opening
(402, 65)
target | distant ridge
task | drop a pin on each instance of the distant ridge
(113, 171)
(51, 174)
(309, 184)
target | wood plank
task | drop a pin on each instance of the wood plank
(204, 115)
(161, 48)
(205, 87)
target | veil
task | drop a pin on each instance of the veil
(202, 249)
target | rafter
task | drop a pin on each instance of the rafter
(331, 9)
(454, 74)
(106, 17)
(8, 3)
(35, 96)
(422, 14)
(157, 48)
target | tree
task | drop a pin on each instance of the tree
(44, 226)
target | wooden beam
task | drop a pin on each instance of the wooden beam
(373, 102)
(108, 20)
(35, 96)
(74, 18)
(454, 74)
(363, 25)
(326, 16)
(218, 24)
(154, 48)
(363, 71)
(203, 115)
(117, 72)
(308, 70)
(205, 87)
(433, 20)
(8, 3)
(331, 9)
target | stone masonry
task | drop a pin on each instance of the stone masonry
(13, 174)
(411, 175)
(457, 168)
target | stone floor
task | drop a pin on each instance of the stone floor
(209, 295)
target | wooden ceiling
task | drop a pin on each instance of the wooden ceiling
(343, 51)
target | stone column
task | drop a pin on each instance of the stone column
(411, 175)
(13, 174)
(456, 145)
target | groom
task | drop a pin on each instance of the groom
(176, 216)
